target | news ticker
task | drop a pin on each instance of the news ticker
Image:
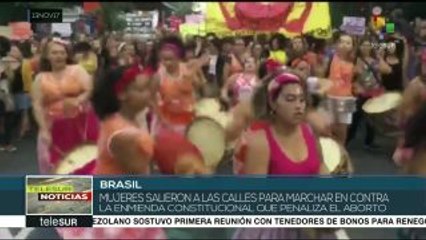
(224, 202)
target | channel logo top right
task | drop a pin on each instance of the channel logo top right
(381, 24)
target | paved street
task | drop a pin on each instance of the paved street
(365, 162)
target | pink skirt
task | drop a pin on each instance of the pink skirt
(67, 134)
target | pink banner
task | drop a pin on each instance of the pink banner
(21, 30)
(194, 19)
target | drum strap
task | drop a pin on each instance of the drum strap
(371, 69)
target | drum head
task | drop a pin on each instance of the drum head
(209, 137)
(77, 159)
(210, 107)
(331, 152)
(383, 103)
(207, 107)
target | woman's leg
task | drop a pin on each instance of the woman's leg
(25, 123)
(9, 121)
(357, 116)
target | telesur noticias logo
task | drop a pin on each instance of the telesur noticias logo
(44, 15)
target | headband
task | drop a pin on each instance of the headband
(278, 82)
(172, 47)
(60, 41)
(128, 77)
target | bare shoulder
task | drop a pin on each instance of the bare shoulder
(257, 140)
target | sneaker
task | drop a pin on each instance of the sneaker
(2, 149)
(11, 148)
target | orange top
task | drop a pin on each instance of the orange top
(112, 126)
(341, 74)
(177, 96)
(55, 91)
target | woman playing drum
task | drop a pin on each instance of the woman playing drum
(413, 98)
(284, 145)
(61, 106)
(123, 147)
(369, 68)
(176, 84)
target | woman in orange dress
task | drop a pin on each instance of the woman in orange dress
(124, 147)
(176, 83)
(60, 94)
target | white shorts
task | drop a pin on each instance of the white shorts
(332, 117)
(337, 117)
(342, 118)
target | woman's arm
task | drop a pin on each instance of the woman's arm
(409, 101)
(226, 70)
(126, 148)
(384, 67)
(226, 87)
(319, 124)
(242, 116)
(37, 99)
(257, 160)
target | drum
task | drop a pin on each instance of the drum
(382, 113)
(80, 161)
(335, 157)
(341, 104)
(210, 107)
(170, 148)
(209, 137)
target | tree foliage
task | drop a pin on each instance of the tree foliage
(180, 8)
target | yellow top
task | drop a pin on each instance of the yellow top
(90, 64)
(279, 56)
(27, 75)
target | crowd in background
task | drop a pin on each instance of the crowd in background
(363, 67)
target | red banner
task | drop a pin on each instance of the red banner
(91, 6)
